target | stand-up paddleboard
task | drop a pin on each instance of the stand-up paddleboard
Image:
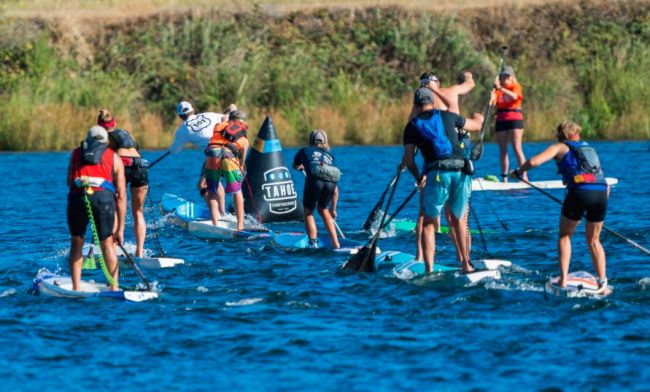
(579, 284)
(481, 184)
(224, 230)
(409, 226)
(183, 209)
(149, 262)
(291, 242)
(50, 284)
(410, 269)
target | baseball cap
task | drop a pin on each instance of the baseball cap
(423, 96)
(317, 136)
(237, 115)
(97, 134)
(184, 108)
(507, 71)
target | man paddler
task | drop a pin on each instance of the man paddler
(444, 178)
(97, 172)
(224, 158)
(197, 129)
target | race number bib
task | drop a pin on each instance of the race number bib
(198, 123)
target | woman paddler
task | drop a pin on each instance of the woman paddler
(321, 190)
(135, 171)
(587, 194)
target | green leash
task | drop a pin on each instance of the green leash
(93, 229)
(89, 260)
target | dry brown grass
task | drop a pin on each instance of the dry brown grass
(119, 9)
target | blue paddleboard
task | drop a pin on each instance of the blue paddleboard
(291, 242)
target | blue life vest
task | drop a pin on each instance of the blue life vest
(580, 167)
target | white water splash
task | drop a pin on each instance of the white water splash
(7, 293)
(644, 284)
(245, 302)
(202, 289)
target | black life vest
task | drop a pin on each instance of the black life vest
(120, 138)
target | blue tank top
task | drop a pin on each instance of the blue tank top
(580, 168)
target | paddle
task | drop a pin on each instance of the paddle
(160, 158)
(135, 267)
(364, 260)
(477, 150)
(629, 241)
(375, 210)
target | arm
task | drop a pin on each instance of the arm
(70, 173)
(297, 161)
(467, 85)
(445, 96)
(120, 193)
(509, 94)
(474, 123)
(539, 159)
(335, 201)
(244, 151)
(408, 160)
(179, 142)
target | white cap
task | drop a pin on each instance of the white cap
(97, 134)
(184, 108)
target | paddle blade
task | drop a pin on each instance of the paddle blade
(364, 260)
(477, 151)
(89, 263)
(374, 214)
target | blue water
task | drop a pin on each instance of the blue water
(244, 316)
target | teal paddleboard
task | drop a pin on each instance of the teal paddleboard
(408, 226)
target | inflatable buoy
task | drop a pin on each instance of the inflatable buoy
(272, 193)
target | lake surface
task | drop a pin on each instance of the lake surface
(246, 316)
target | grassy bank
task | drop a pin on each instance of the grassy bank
(350, 72)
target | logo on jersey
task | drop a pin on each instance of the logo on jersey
(198, 123)
(279, 191)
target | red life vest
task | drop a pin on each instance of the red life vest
(227, 134)
(98, 176)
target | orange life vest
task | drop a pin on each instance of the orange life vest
(227, 134)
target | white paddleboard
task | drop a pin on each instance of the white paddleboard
(579, 284)
(485, 269)
(480, 184)
(226, 230)
(47, 283)
(149, 262)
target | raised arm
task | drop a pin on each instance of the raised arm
(551, 152)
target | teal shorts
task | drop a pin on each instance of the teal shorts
(453, 187)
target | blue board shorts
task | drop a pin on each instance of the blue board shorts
(453, 187)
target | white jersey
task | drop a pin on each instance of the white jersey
(197, 130)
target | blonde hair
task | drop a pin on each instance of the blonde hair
(324, 146)
(567, 129)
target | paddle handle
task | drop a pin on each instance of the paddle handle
(339, 229)
(135, 266)
(619, 235)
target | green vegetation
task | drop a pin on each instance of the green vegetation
(349, 72)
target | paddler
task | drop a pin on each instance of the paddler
(508, 96)
(444, 178)
(96, 170)
(587, 194)
(197, 129)
(135, 172)
(445, 98)
(321, 190)
(225, 157)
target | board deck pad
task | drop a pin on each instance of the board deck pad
(579, 284)
(481, 184)
(292, 242)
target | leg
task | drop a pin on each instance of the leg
(419, 236)
(329, 225)
(75, 259)
(211, 198)
(592, 232)
(138, 196)
(502, 139)
(517, 140)
(428, 242)
(110, 257)
(221, 199)
(452, 232)
(460, 225)
(238, 201)
(310, 224)
(567, 227)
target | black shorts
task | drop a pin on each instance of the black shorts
(579, 201)
(317, 192)
(136, 175)
(103, 207)
(502, 126)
